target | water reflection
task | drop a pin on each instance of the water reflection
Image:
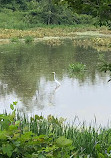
(26, 76)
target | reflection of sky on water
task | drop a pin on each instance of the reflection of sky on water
(26, 76)
(69, 100)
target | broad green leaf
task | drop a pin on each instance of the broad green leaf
(7, 149)
(3, 135)
(12, 128)
(62, 142)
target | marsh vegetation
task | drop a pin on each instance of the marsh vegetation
(50, 138)
(41, 37)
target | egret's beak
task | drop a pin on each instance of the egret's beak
(52, 72)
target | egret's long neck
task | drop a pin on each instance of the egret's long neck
(54, 76)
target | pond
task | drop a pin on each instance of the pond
(26, 77)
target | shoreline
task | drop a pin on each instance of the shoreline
(71, 36)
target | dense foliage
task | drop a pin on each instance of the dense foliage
(43, 138)
(100, 8)
(36, 12)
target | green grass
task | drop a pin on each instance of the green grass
(50, 138)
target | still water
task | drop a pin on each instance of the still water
(26, 76)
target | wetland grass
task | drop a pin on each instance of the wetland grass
(40, 137)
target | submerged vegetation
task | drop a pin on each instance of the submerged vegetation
(50, 138)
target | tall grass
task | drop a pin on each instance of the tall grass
(51, 138)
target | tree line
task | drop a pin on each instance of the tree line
(96, 8)
(46, 12)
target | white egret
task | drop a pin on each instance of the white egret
(57, 82)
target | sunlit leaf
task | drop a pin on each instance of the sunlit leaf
(62, 142)
(11, 106)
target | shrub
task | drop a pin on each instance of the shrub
(14, 39)
(29, 39)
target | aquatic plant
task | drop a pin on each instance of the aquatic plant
(77, 67)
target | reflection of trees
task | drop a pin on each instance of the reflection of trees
(23, 66)
(89, 57)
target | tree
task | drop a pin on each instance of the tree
(96, 8)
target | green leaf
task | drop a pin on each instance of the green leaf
(62, 142)
(98, 147)
(38, 117)
(101, 155)
(41, 156)
(5, 124)
(11, 106)
(15, 103)
(50, 148)
(3, 135)
(26, 136)
(12, 128)
(17, 123)
(7, 149)
(109, 149)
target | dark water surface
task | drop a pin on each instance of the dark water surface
(26, 76)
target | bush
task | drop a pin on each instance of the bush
(14, 39)
(29, 39)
